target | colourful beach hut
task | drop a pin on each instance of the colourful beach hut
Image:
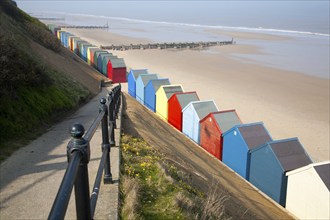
(72, 42)
(116, 69)
(82, 46)
(270, 163)
(163, 94)
(105, 61)
(131, 80)
(239, 141)
(96, 57)
(77, 46)
(90, 54)
(100, 61)
(150, 92)
(65, 40)
(177, 102)
(213, 126)
(308, 191)
(84, 50)
(191, 116)
(59, 34)
(141, 82)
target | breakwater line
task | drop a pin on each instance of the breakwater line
(187, 45)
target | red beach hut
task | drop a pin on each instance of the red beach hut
(213, 126)
(117, 70)
(176, 103)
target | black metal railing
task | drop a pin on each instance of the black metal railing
(78, 153)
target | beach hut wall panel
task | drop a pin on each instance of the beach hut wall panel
(96, 58)
(131, 80)
(213, 126)
(191, 116)
(163, 94)
(239, 141)
(67, 40)
(56, 30)
(100, 60)
(59, 34)
(82, 51)
(105, 61)
(150, 92)
(72, 42)
(270, 162)
(117, 71)
(141, 82)
(176, 103)
(70, 39)
(308, 191)
(62, 37)
(90, 54)
(77, 48)
(85, 49)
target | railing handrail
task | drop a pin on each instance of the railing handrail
(78, 153)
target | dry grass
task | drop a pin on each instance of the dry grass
(212, 206)
(131, 203)
(154, 188)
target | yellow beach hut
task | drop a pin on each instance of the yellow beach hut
(163, 94)
(89, 54)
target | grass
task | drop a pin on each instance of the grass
(32, 95)
(153, 188)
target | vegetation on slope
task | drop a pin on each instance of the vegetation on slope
(153, 188)
(32, 95)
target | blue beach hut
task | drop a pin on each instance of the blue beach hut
(150, 92)
(141, 83)
(191, 116)
(239, 141)
(270, 162)
(131, 80)
(84, 50)
(100, 61)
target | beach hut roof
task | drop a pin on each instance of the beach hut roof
(184, 98)
(203, 108)
(94, 49)
(117, 62)
(226, 119)
(324, 173)
(171, 89)
(321, 168)
(157, 83)
(254, 134)
(108, 56)
(289, 152)
(136, 73)
(146, 77)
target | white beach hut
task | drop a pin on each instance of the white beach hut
(308, 191)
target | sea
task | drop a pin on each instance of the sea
(304, 24)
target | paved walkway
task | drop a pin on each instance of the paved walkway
(30, 178)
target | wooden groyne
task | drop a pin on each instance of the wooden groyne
(50, 19)
(85, 26)
(189, 45)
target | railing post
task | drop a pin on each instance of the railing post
(118, 91)
(113, 107)
(111, 119)
(105, 142)
(81, 185)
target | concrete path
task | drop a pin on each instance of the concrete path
(30, 178)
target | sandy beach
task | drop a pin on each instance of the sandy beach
(289, 103)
